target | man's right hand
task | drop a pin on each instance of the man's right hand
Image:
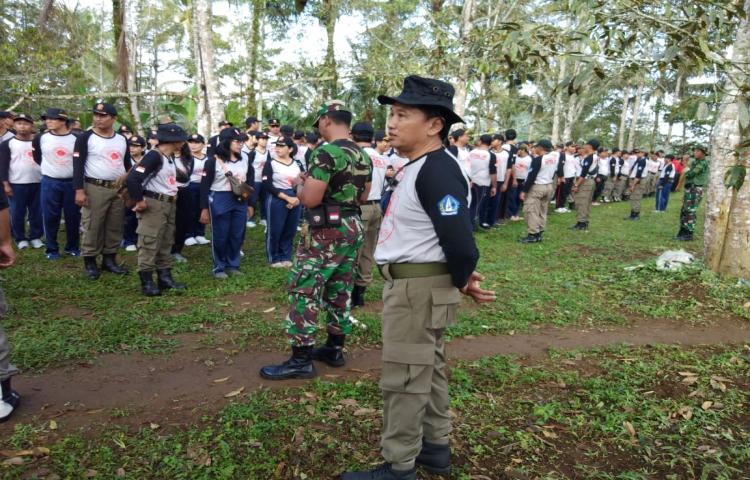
(81, 199)
(8, 189)
(473, 290)
(7, 255)
(205, 219)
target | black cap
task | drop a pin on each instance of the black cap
(55, 114)
(259, 134)
(299, 135)
(364, 128)
(105, 109)
(274, 122)
(594, 143)
(232, 134)
(312, 137)
(5, 114)
(197, 138)
(287, 130)
(124, 129)
(285, 140)
(24, 117)
(137, 141)
(250, 120)
(226, 123)
(380, 136)
(151, 134)
(426, 92)
(545, 144)
(170, 132)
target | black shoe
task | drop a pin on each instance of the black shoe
(577, 226)
(166, 281)
(434, 458)
(148, 287)
(633, 216)
(91, 268)
(358, 296)
(332, 352)
(383, 472)
(10, 400)
(685, 237)
(531, 238)
(584, 226)
(572, 206)
(299, 365)
(109, 264)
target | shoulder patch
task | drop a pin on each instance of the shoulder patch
(448, 206)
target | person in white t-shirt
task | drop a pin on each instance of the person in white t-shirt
(460, 148)
(521, 165)
(483, 174)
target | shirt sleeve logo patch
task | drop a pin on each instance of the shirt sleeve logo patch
(448, 206)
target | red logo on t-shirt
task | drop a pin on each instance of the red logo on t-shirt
(171, 180)
(114, 157)
(62, 156)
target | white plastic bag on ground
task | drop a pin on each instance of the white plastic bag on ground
(674, 260)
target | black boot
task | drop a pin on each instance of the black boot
(166, 281)
(299, 365)
(148, 287)
(91, 268)
(109, 264)
(358, 296)
(332, 352)
(10, 400)
(383, 472)
(572, 206)
(531, 238)
(584, 226)
(577, 226)
(633, 216)
(434, 458)
(684, 236)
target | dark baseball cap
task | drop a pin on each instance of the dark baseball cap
(545, 144)
(170, 133)
(6, 114)
(24, 117)
(287, 130)
(250, 120)
(55, 114)
(137, 141)
(259, 134)
(274, 122)
(380, 136)
(299, 135)
(196, 138)
(124, 129)
(363, 128)
(102, 108)
(232, 134)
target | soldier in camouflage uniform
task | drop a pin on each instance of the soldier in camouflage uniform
(337, 182)
(695, 180)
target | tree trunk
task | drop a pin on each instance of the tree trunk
(623, 117)
(131, 86)
(202, 30)
(438, 53)
(557, 112)
(657, 114)
(675, 99)
(255, 41)
(119, 8)
(636, 113)
(462, 83)
(44, 13)
(330, 13)
(727, 227)
(575, 107)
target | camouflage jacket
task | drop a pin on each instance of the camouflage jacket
(345, 167)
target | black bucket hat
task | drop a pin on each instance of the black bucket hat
(170, 132)
(197, 138)
(55, 114)
(426, 92)
(232, 134)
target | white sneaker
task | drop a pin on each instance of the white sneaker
(190, 241)
(287, 264)
(251, 224)
(242, 254)
(201, 240)
(264, 223)
(131, 248)
(23, 244)
(37, 243)
(560, 210)
(179, 258)
(277, 265)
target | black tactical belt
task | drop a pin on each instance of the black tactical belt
(100, 183)
(160, 196)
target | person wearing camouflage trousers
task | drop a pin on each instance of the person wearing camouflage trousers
(337, 182)
(696, 178)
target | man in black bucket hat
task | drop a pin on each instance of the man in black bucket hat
(426, 254)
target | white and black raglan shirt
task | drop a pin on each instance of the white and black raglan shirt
(427, 219)
(102, 158)
(215, 176)
(17, 163)
(668, 172)
(258, 160)
(278, 176)
(571, 166)
(54, 153)
(589, 167)
(156, 173)
(521, 167)
(379, 165)
(483, 165)
(638, 168)
(542, 170)
(7, 136)
(198, 166)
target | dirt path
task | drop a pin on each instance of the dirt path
(176, 389)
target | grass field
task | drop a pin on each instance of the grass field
(619, 412)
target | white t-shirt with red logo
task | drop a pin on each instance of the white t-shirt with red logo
(105, 159)
(380, 163)
(21, 165)
(521, 167)
(57, 155)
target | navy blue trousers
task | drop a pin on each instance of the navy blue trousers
(129, 235)
(479, 196)
(228, 219)
(282, 226)
(260, 199)
(193, 201)
(58, 198)
(25, 202)
(514, 200)
(662, 195)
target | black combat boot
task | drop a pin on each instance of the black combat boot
(299, 365)
(109, 264)
(10, 400)
(684, 236)
(572, 206)
(358, 296)
(531, 238)
(383, 472)
(166, 281)
(332, 352)
(577, 226)
(148, 287)
(434, 458)
(633, 216)
(91, 268)
(584, 226)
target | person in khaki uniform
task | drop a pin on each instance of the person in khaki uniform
(538, 189)
(100, 157)
(426, 253)
(153, 185)
(637, 188)
(585, 184)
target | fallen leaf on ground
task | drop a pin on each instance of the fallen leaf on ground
(718, 385)
(629, 428)
(348, 402)
(364, 411)
(707, 404)
(91, 473)
(154, 426)
(310, 409)
(52, 425)
(688, 374)
(120, 472)
(13, 461)
(222, 380)
(686, 412)
(269, 310)
(234, 393)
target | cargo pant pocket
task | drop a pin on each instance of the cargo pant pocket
(444, 307)
(407, 368)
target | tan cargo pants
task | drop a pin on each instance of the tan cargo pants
(536, 205)
(156, 235)
(416, 312)
(102, 221)
(636, 197)
(371, 219)
(583, 199)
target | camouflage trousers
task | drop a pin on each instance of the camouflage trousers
(323, 278)
(690, 203)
